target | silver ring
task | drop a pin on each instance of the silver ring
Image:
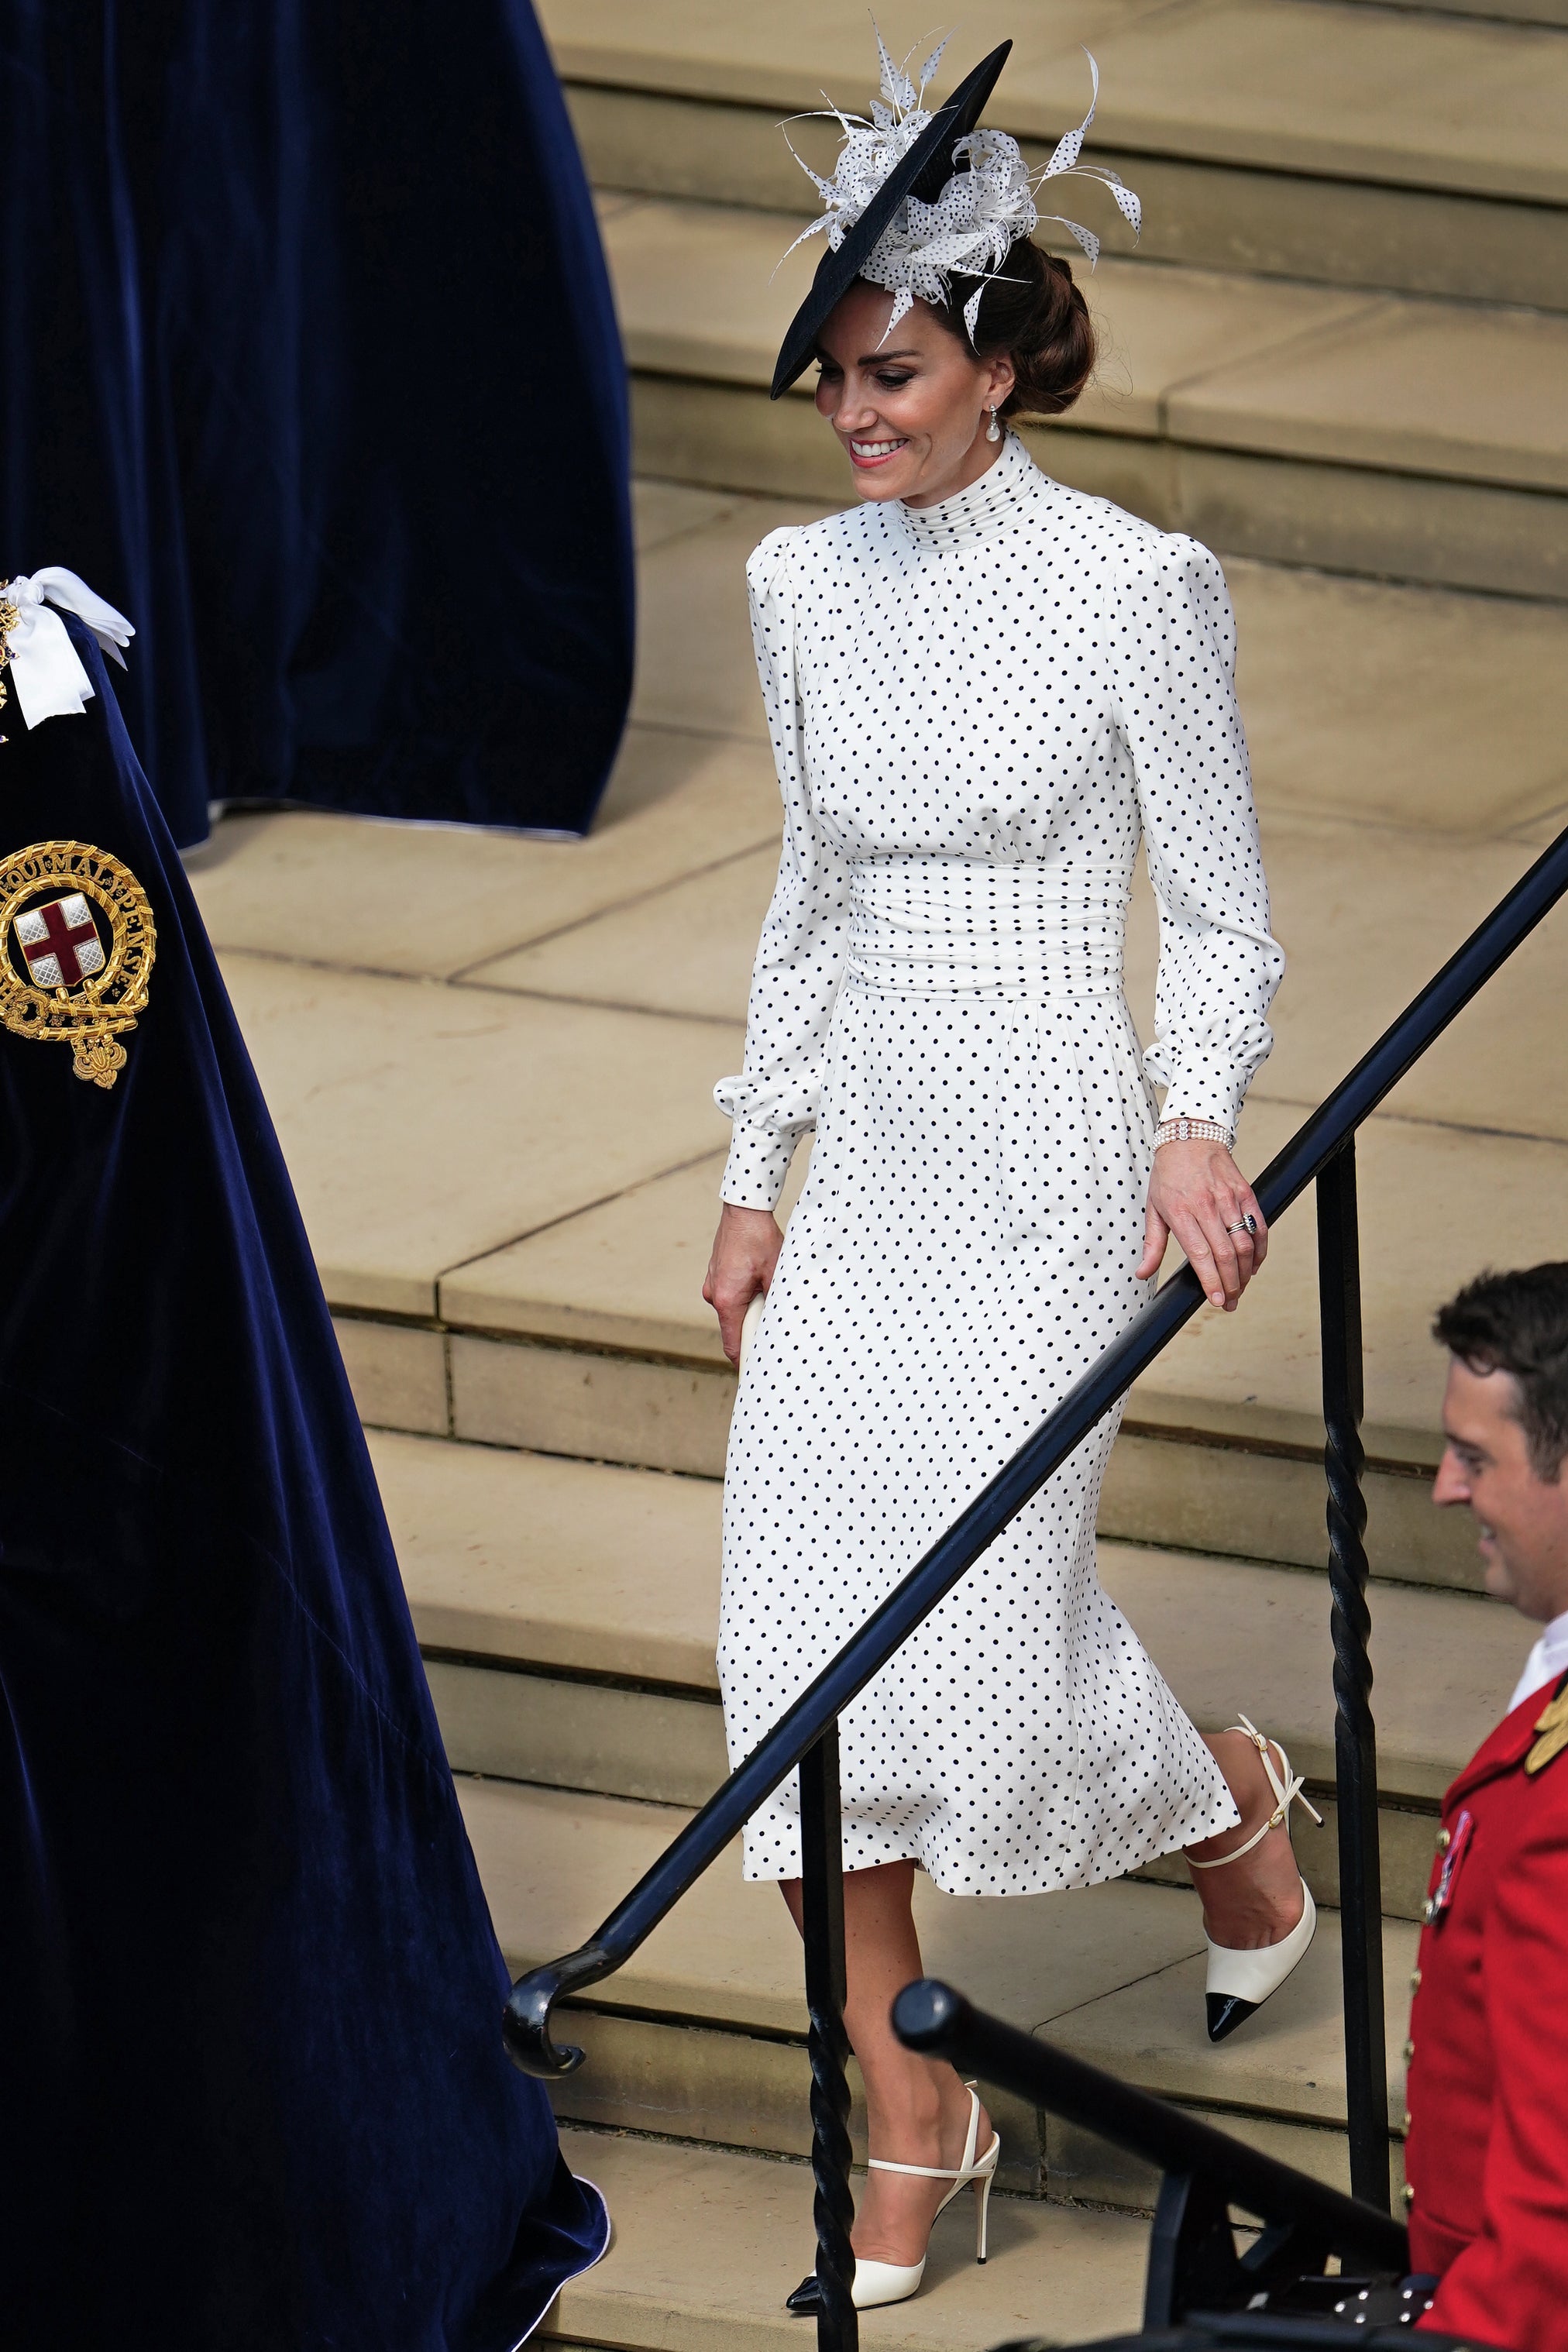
(1248, 1225)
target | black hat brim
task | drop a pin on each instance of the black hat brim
(924, 172)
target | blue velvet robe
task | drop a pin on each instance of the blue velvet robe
(309, 363)
(253, 2096)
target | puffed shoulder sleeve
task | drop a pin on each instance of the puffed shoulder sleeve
(1173, 659)
(800, 957)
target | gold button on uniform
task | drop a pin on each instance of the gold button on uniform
(1408, 2194)
(1409, 2051)
(1445, 1840)
(1405, 2125)
(1414, 1979)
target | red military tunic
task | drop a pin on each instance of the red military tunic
(1486, 2159)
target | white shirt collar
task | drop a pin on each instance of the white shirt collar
(1546, 1661)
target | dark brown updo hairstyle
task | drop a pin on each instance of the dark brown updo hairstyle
(1031, 310)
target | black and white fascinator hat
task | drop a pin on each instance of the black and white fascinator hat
(916, 196)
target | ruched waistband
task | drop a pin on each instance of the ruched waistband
(950, 926)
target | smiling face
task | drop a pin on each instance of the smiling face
(1521, 1519)
(911, 414)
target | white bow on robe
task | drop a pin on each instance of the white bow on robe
(46, 674)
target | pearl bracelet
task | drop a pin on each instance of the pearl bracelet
(1193, 1130)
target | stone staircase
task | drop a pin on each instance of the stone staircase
(1337, 356)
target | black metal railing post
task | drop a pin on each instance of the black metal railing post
(1355, 1734)
(822, 1925)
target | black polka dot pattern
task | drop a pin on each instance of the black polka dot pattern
(977, 713)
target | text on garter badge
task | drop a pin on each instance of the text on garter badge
(76, 943)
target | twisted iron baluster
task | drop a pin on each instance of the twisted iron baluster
(1355, 1735)
(822, 1906)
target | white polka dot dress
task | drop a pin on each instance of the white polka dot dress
(977, 711)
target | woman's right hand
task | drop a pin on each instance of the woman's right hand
(745, 1251)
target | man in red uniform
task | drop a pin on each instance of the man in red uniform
(1486, 2159)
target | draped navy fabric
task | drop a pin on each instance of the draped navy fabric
(251, 2076)
(308, 362)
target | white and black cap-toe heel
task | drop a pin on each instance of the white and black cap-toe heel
(1239, 1984)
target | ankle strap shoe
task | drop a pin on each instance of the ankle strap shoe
(879, 2282)
(1239, 1982)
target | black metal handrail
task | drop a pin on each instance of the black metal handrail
(1306, 2216)
(1321, 1150)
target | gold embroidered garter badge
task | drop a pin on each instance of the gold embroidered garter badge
(76, 943)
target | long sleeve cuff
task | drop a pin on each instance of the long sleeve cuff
(1204, 1095)
(755, 1171)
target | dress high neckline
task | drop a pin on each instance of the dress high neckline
(978, 512)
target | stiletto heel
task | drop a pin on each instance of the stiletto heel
(879, 2282)
(983, 2197)
(1239, 1982)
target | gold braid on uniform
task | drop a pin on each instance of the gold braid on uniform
(1551, 1727)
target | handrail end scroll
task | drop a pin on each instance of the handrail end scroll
(527, 2021)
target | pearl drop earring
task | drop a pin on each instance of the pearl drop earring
(994, 431)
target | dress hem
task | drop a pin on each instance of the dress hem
(1175, 1840)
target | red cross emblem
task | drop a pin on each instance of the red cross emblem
(61, 942)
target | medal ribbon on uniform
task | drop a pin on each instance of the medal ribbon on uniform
(1443, 1893)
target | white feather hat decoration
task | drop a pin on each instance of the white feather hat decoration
(983, 211)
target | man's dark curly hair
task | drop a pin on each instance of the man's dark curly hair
(1518, 1323)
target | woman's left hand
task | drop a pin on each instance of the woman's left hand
(1197, 1192)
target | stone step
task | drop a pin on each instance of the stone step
(1553, 12)
(1503, 12)
(589, 1338)
(1185, 1480)
(568, 1614)
(1191, 1480)
(707, 2242)
(1366, 433)
(703, 2035)
(1353, 146)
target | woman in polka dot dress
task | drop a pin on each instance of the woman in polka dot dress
(982, 690)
